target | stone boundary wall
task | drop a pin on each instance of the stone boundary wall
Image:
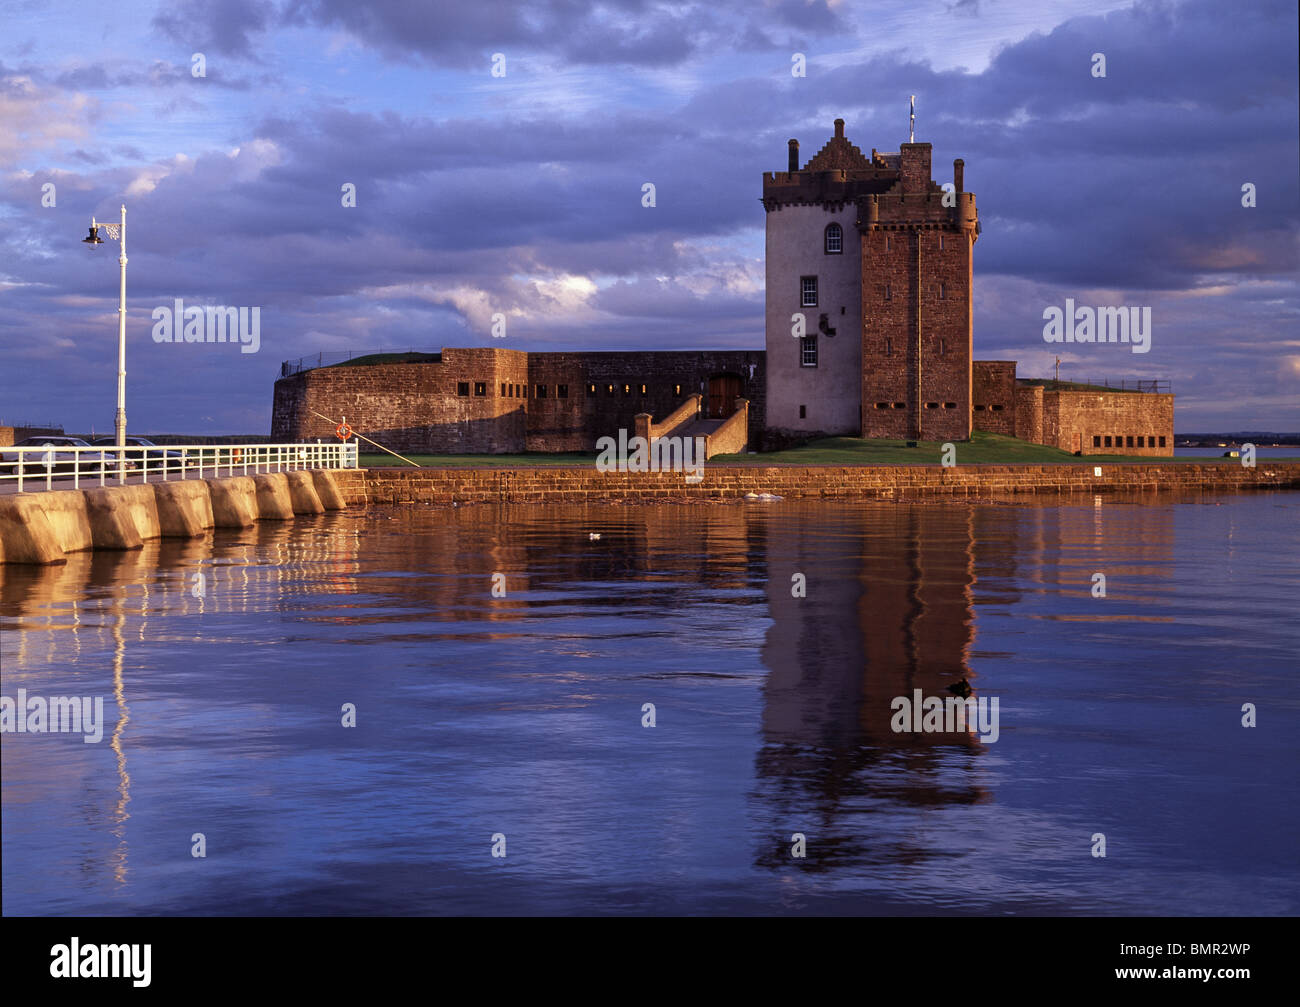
(564, 484)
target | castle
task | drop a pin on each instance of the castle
(877, 258)
(868, 334)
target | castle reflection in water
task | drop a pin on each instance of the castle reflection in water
(889, 607)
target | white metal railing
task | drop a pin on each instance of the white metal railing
(64, 466)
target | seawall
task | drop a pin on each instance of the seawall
(561, 484)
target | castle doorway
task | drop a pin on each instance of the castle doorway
(724, 389)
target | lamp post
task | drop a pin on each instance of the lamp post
(117, 231)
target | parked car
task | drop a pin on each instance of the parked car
(39, 463)
(158, 459)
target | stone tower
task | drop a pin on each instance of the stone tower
(878, 263)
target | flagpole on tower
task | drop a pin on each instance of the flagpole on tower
(911, 130)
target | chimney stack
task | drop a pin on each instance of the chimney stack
(958, 174)
(839, 129)
(794, 155)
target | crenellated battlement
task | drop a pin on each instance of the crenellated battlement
(899, 183)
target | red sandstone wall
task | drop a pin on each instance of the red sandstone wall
(531, 401)
(559, 420)
(914, 167)
(1029, 413)
(668, 377)
(993, 384)
(411, 407)
(893, 293)
(1080, 417)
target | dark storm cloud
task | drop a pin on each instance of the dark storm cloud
(1133, 180)
(1130, 183)
(630, 32)
(221, 26)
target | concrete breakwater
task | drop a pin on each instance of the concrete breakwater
(577, 484)
(43, 528)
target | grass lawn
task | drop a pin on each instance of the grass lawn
(379, 460)
(981, 449)
(411, 357)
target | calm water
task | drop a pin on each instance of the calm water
(522, 715)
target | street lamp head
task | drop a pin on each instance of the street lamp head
(94, 238)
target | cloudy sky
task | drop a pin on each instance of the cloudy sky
(521, 194)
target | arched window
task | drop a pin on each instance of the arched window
(834, 239)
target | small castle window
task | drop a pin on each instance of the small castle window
(803, 412)
(996, 408)
(1108, 440)
(591, 389)
(979, 409)
(888, 242)
(932, 405)
(900, 405)
(627, 389)
(1096, 440)
(561, 391)
(889, 292)
(889, 347)
(503, 389)
(609, 390)
(950, 405)
(677, 389)
(480, 388)
(943, 291)
(943, 347)
(462, 388)
(1130, 441)
(808, 351)
(882, 405)
(808, 291)
(643, 389)
(1162, 442)
(834, 239)
(941, 248)
(1141, 440)
(541, 391)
